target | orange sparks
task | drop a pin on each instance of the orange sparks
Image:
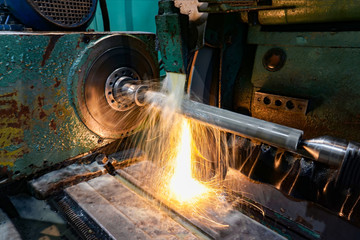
(183, 187)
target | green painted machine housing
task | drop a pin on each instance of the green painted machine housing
(39, 124)
(172, 36)
(320, 68)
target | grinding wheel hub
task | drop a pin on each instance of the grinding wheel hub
(118, 99)
(114, 61)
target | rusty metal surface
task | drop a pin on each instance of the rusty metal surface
(39, 126)
(36, 117)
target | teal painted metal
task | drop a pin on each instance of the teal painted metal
(172, 35)
(128, 15)
(39, 126)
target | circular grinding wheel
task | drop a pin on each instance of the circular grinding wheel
(106, 57)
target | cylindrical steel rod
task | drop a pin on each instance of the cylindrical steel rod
(330, 151)
(245, 126)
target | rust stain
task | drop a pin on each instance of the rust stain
(9, 95)
(78, 43)
(23, 115)
(42, 114)
(52, 125)
(57, 82)
(56, 110)
(12, 115)
(14, 118)
(49, 48)
(40, 100)
(8, 107)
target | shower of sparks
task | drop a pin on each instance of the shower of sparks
(183, 170)
(183, 187)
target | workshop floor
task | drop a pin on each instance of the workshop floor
(28, 218)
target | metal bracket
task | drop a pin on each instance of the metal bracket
(280, 103)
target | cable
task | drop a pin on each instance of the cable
(105, 15)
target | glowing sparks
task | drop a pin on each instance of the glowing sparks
(182, 153)
(183, 187)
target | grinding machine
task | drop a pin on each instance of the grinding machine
(54, 111)
(277, 77)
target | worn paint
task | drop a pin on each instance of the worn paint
(38, 124)
(171, 30)
(57, 82)
(13, 120)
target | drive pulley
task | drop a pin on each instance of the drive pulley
(107, 72)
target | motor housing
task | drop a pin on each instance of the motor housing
(53, 15)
